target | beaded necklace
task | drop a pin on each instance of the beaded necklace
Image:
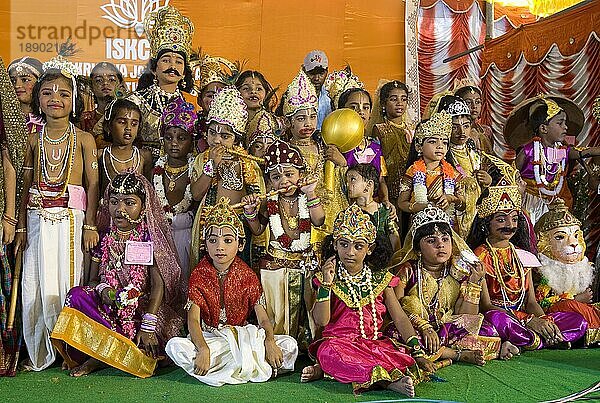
(354, 286)
(504, 288)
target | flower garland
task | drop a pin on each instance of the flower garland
(159, 186)
(356, 296)
(113, 256)
(540, 170)
(285, 242)
(420, 179)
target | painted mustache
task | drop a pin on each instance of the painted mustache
(508, 230)
(172, 70)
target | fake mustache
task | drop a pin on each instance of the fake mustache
(507, 231)
(172, 70)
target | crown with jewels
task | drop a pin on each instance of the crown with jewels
(179, 113)
(26, 65)
(214, 69)
(465, 82)
(229, 108)
(505, 196)
(300, 94)
(339, 81)
(264, 124)
(221, 215)
(280, 154)
(558, 215)
(167, 29)
(353, 224)
(429, 214)
(458, 108)
(553, 108)
(438, 125)
(61, 63)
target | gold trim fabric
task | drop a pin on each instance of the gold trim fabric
(101, 343)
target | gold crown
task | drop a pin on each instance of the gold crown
(215, 69)
(506, 171)
(61, 63)
(221, 215)
(300, 94)
(353, 224)
(339, 81)
(429, 214)
(263, 124)
(465, 82)
(167, 29)
(558, 215)
(503, 197)
(229, 108)
(553, 108)
(438, 125)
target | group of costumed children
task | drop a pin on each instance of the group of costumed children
(273, 262)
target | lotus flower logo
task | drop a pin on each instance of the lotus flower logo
(131, 13)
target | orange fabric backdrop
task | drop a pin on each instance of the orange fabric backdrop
(270, 35)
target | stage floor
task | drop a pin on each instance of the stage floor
(532, 377)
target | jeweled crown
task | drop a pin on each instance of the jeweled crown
(167, 29)
(300, 94)
(353, 224)
(264, 124)
(503, 197)
(339, 81)
(439, 125)
(61, 63)
(229, 108)
(221, 215)
(281, 154)
(458, 108)
(179, 113)
(429, 214)
(214, 69)
(558, 215)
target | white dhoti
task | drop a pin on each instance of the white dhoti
(237, 355)
(182, 235)
(52, 264)
(535, 206)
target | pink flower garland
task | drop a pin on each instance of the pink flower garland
(137, 274)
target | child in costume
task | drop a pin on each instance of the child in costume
(508, 297)
(468, 160)
(393, 131)
(262, 131)
(347, 91)
(24, 73)
(223, 348)
(225, 168)
(300, 108)
(13, 141)
(564, 280)
(57, 218)
(122, 122)
(353, 296)
(440, 286)
(362, 181)
(172, 176)
(135, 298)
(286, 269)
(430, 178)
(544, 159)
(258, 95)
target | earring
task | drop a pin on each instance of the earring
(383, 110)
(183, 83)
(155, 80)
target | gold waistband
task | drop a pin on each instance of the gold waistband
(282, 254)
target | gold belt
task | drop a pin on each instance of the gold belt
(282, 254)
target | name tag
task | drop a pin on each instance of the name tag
(141, 253)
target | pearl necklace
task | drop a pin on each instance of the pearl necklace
(135, 155)
(354, 288)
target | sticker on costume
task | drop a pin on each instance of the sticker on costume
(77, 197)
(141, 253)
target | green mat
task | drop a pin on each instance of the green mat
(531, 377)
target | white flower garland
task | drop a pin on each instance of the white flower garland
(303, 242)
(159, 187)
(356, 297)
(539, 171)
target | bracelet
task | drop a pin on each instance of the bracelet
(28, 168)
(411, 206)
(149, 321)
(21, 230)
(11, 220)
(209, 169)
(323, 293)
(90, 227)
(394, 227)
(547, 318)
(314, 202)
(415, 347)
(471, 292)
(95, 259)
(251, 216)
(101, 287)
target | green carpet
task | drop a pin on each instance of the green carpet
(531, 377)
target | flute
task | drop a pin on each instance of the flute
(242, 154)
(276, 192)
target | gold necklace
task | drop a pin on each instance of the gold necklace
(292, 221)
(301, 143)
(175, 171)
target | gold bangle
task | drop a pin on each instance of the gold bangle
(90, 227)
(411, 207)
(21, 230)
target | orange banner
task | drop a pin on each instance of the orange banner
(269, 35)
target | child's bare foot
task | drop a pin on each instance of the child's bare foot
(508, 350)
(87, 367)
(311, 373)
(404, 385)
(64, 366)
(472, 357)
(26, 365)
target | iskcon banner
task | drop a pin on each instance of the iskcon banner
(268, 35)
